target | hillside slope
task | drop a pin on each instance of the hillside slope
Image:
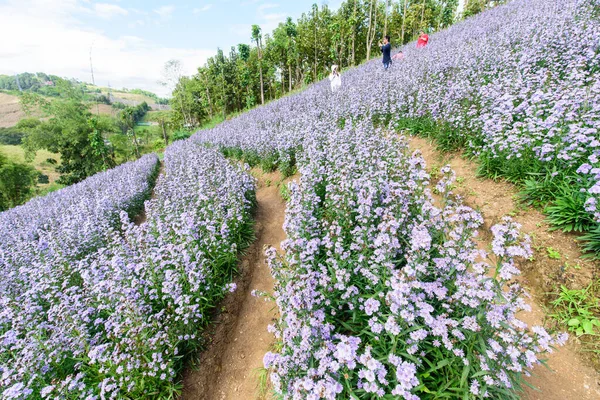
(10, 110)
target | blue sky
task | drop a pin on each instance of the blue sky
(130, 39)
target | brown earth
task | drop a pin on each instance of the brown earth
(102, 109)
(142, 217)
(238, 340)
(570, 375)
(10, 110)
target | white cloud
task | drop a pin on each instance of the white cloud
(268, 21)
(267, 6)
(45, 36)
(202, 9)
(165, 11)
(105, 10)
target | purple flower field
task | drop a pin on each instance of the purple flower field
(116, 321)
(516, 86)
(383, 294)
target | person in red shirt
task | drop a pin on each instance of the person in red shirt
(423, 39)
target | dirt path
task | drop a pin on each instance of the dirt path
(570, 376)
(142, 217)
(239, 339)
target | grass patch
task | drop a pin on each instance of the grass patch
(578, 311)
(44, 161)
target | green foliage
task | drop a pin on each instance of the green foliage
(144, 93)
(53, 187)
(73, 132)
(578, 310)
(568, 212)
(17, 183)
(181, 134)
(129, 116)
(590, 243)
(12, 136)
(158, 145)
(474, 7)
(553, 254)
(118, 106)
(43, 179)
(269, 163)
(284, 192)
(539, 192)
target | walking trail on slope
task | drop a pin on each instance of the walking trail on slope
(569, 376)
(238, 340)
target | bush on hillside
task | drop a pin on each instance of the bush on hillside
(17, 182)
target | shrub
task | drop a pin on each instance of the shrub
(17, 183)
(181, 135)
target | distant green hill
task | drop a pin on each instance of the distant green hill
(46, 85)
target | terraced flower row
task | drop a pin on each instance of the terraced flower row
(116, 322)
(518, 86)
(75, 220)
(382, 294)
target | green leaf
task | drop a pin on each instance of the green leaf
(579, 332)
(588, 327)
(573, 322)
(465, 375)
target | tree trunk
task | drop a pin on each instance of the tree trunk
(164, 131)
(354, 34)
(262, 90)
(369, 43)
(135, 143)
(290, 76)
(403, 21)
(372, 29)
(387, 7)
(210, 107)
(423, 13)
(224, 96)
(315, 62)
(185, 121)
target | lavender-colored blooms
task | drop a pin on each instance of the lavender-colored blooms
(518, 83)
(361, 224)
(112, 322)
(373, 265)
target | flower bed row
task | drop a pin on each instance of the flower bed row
(76, 219)
(509, 85)
(117, 322)
(383, 294)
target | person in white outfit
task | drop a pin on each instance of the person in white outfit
(335, 78)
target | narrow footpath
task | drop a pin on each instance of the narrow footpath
(238, 340)
(569, 375)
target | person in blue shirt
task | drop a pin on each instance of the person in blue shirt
(386, 49)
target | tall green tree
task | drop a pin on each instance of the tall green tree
(257, 38)
(73, 132)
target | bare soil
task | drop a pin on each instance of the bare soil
(570, 374)
(10, 110)
(238, 339)
(102, 109)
